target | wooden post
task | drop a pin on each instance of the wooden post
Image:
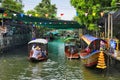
(108, 26)
(117, 46)
(111, 25)
(105, 28)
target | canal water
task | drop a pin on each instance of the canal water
(15, 66)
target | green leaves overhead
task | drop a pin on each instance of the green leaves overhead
(89, 11)
(46, 9)
(12, 5)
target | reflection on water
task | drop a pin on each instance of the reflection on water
(15, 66)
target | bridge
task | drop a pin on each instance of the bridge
(50, 23)
(19, 27)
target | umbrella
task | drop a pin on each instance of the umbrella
(44, 41)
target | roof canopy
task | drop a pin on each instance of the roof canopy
(39, 40)
(90, 39)
(50, 23)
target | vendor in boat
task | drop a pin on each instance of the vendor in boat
(88, 50)
(37, 53)
(102, 45)
(71, 50)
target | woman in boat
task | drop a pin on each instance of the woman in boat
(87, 50)
(36, 52)
(102, 45)
(71, 50)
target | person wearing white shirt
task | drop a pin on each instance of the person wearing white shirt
(36, 52)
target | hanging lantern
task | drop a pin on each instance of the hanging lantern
(76, 13)
(5, 14)
(30, 15)
(21, 14)
(40, 22)
(93, 14)
(36, 15)
(54, 14)
(14, 14)
(46, 15)
(102, 13)
(61, 14)
(86, 14)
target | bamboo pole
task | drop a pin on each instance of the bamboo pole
(108, 26)
(111, 25)
(105, 28)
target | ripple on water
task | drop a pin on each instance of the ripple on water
(52, 70)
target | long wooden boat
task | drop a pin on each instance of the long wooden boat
(42, 43)
(90, 53)
(69, 54)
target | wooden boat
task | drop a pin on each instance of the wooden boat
(42, 43)
(69, 54)
(89, 54)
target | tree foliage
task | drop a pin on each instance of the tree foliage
(12, 5)
(31, 12)
(46, 9)
(88, 11)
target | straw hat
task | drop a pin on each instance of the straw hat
(37, 48)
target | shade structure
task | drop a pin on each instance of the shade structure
(91, 40)
(39, 40)
(88, 38)
(49, 23)
(70, 39)
(44, 22)
(41, 22)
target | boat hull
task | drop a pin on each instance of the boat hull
(69, 55)
(90, 59)
(31, 59)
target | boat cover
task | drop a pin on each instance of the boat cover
(39, 40)
(89, 39)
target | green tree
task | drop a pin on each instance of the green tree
(43, 10)
(89, 11)
(12, 5)
(46, 9)
(31, 12)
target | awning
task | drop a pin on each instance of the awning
(43, 41)
(90, 39)
(44, 22)
(49, 23)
